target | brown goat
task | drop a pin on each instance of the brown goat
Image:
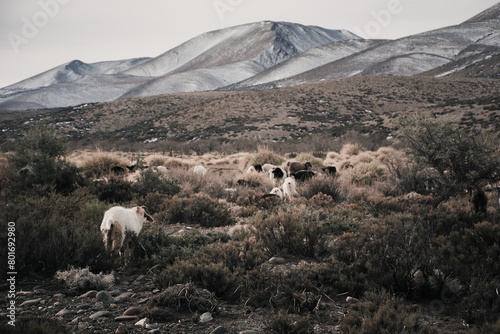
(294, 166)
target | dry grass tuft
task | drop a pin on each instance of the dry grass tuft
(84, 279)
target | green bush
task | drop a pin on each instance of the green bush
(294, 232)
(39, 163)
(461, 158)
(115, 191)
(387, 254)
(198, 209)
(57, 232)
(150, 181)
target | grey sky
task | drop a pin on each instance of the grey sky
(37, 35)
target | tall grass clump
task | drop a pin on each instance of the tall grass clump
(266, 156)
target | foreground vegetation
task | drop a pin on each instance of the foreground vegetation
(393, 230)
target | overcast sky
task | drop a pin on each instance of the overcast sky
(37, 35)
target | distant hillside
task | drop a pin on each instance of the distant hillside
(329, 109)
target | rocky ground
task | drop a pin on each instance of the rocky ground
(120, 309)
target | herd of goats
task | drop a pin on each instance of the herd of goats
(118, 220)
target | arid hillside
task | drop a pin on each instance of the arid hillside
(366, 105)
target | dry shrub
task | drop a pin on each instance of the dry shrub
(321, 200)
(191, 183)
(296, 232)
(156, 161)
(7, 173)
(99, 165)
(365, 173)
(84, 279)
(351, 149)
(30, 324)
(383, 313)
(284, 323)
(186, 297)
(174, 163)
(320, 184)
(266, 156)
(198, 209)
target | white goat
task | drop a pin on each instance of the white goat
(200, 170)
(161, 169)
(267, 167)
(289, 188)
(277, 191)
(116, 222)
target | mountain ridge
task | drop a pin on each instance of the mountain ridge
(262, 55)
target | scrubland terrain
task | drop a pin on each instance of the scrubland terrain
(391, 243)
(308, 117)
(385, 245)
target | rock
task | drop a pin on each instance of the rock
(122, 329)
(126, 318)
(24, 293)
(82, 306)
(31, 302)
(132, 311)
(151, 326)
(277, 260)
(249, 332)
(206, 317)
(154, 331)
(143, 301)
(63, 312)
(219, 330)
(116, 292)
(105, 297)
(100, 314)
(59, 295)
(123, 297)
(142, 322)
(83, 325)
(89, 294)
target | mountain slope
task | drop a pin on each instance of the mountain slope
(308, 60)
(206, 62)
(224, 57)
(411, 55)
(265, 55)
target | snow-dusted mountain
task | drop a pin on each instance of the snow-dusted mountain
(206, 62)
(259, 56)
